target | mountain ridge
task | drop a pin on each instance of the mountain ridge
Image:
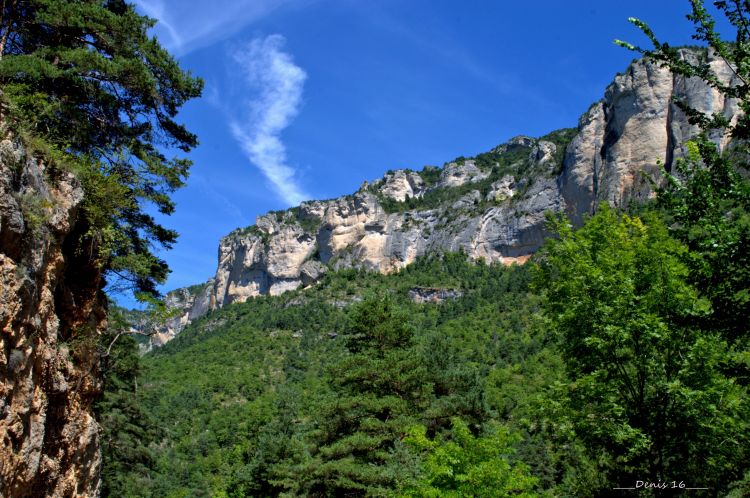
(492, 206)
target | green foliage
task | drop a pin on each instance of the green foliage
(430, 175)
(561, 138)
(709, 209)
(642, 372)
(378, 387)
(100, 97)
(465, 465)
(314, 392)
(707, 202)
(311, 393)
(309, 224)
(35, 211)
(127, 429)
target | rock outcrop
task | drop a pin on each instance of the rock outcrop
(187, 304)
(492, 207)
(637, 128)
(51, 310)
(433, 294)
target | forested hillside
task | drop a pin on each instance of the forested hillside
(343, 388)
(614, 363)
(384, 343)
(518, 384)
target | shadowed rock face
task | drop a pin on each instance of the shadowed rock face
(51, 310)
(493, 207)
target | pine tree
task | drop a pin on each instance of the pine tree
(127, 429)
(377, 390)
(85, 80)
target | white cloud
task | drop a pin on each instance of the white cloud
(276, 84)
(185, 25)
(156, 10)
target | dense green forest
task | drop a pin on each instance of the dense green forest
(618, 355)
(315, 391)
(598, 365)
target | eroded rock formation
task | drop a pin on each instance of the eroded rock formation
(492, 207)
(51, 310)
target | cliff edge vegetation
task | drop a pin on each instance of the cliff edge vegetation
(89, 101)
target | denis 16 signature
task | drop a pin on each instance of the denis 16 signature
(660, 485)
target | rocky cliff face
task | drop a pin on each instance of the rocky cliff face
(187, 304)
(637, 128)
(492, 206)
(50, 312)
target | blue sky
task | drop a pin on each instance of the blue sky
(308, 98)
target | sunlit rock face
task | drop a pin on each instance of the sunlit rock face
(187, 304)
(492, 207)
(635, 131)
(356, 231)
(51, 312)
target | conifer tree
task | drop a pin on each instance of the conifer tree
(86, 80)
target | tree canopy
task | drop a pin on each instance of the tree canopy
(643, 373)
(100, 96)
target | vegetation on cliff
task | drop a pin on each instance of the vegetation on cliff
(97, 95)
(506, 159)
(85, 90)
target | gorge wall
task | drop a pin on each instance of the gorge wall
(492, 206)
(51, 310)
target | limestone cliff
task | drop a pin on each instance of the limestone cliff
(492, 206)
(51, 309)
(186, 304)
(489, 211)
(636, 128)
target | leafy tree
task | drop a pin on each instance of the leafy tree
(465, 465)
(99, 96)
(648, 392)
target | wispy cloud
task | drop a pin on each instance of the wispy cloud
(219, 199)
(156, 9)
(275, 83)
(185, 25)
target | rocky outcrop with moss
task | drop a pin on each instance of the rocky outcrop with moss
(51, 310)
